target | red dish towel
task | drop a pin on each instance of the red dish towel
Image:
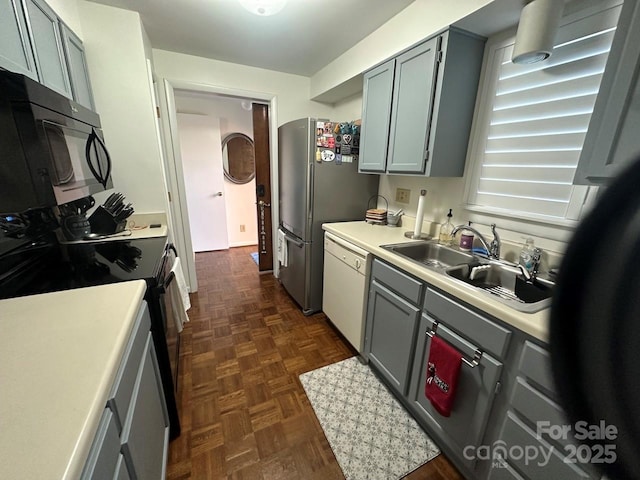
(442, 375)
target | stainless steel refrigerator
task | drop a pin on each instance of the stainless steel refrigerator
(318, 184)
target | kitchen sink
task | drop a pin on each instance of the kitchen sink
(506, 284)
(431, 254)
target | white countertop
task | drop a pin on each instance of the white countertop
(59, 354)
(371, 237)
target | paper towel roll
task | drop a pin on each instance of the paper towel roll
(417, 231)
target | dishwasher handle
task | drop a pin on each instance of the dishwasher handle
(348, 245)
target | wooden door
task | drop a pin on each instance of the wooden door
(263, 185)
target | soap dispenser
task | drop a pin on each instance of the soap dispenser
(446, 229)
(527, 255)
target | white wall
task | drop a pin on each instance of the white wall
(114, 44)
(239, 199)
(418, 21)
(68, 11)
(291, 91)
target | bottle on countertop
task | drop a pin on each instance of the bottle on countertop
(527, 255)
(445, 237)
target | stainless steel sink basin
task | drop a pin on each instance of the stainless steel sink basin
(506, 284)
(431, 254)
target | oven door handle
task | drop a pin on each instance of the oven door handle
(162, 289)
(171, 246)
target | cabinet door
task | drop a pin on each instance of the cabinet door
(16, 54)
(376, 113)
(474, 397)
(145, 437)
(77, 66)
(103, 457)
(413, 92)
(391, 326)
(612, 138)
(45, 36)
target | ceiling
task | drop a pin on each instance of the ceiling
(304, 37)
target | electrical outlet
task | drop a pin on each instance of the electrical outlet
(242, 228)
(403, 195)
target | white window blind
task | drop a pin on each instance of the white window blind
(533, 123)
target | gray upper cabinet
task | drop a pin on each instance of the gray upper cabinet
(411, 113)
(16, 53)
(429, 109)
(45, 35)
(612, 139)
(376, 105)
(77, 67)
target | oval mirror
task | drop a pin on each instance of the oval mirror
(238, 158)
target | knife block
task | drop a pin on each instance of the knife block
(104, 223)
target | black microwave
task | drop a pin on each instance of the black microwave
(52, 149)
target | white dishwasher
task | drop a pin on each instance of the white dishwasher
(346, 273)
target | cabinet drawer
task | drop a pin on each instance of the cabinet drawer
(492, 337)
(535, 406)
(120, 398)
(535, 364)
(398, 281)
(516, 434)
(103, 456)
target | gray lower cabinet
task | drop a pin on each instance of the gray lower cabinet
(464, 429)
(44, 28)
(103, 458)
(391, 325)
(612, 140)
(532, 408)
(77, 67)
(418, 107)
(133, 436)
(505, 387)
(146, 432)
(16, 53)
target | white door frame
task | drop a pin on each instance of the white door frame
(180, 227)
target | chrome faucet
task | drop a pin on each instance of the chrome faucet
(493, 247)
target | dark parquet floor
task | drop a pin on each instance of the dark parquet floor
(244, 412)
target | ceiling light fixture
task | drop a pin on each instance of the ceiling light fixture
(264, 8)
(537, 30)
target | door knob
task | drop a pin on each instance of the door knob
(217, 194)
(263, 204)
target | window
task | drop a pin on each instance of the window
(532, 120)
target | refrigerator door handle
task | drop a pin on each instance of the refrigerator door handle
(296, 242)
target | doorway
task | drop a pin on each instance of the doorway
(242, 228)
